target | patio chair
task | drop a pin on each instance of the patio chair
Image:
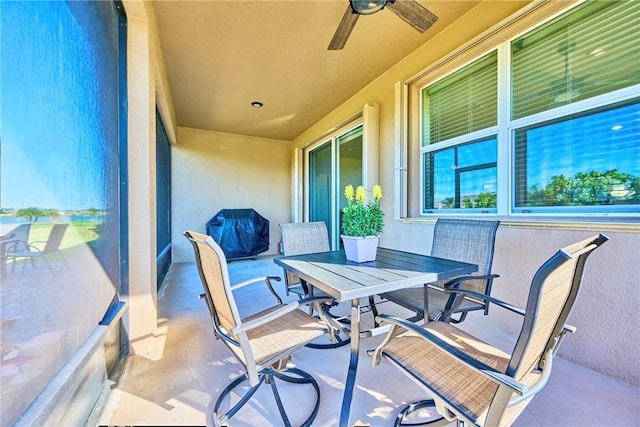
(262, 343)
(16, 240)
(32, 251)
(464, 240)
(474, 382)
(302, 238)
(305, 238)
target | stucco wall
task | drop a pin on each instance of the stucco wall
(212, 171)
(607, 316)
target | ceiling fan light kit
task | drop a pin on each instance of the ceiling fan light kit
(365, 7)
(409, 11)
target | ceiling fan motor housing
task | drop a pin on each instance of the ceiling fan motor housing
(367, 7)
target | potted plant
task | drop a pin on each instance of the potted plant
(361, 223)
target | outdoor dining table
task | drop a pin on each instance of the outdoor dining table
(344, 280)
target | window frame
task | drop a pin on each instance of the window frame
(506, 127)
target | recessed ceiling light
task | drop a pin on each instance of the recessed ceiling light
(257, 104)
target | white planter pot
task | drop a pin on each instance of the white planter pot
(360, 249)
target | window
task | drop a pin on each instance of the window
(460, 170)
(557, 164)
(462, 177)
(569, 137)
(60, 165)
(586, 161)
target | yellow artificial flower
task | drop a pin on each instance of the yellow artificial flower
(360, 194)
(348, 192)
(377, 193)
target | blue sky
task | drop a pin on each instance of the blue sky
(53, 149)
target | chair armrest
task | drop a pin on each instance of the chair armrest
(275, 314)
(266, 279)
(488, 298)
(476, 365)
(311, 300)
(15, 245)
(538, 385)
(455, 283)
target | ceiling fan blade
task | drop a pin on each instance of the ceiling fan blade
(344, 29)
(413, 14)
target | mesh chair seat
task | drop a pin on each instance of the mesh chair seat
(437, 300)
(474, 382)
(426, 361)
(269, 342)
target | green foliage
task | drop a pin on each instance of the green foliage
(31, 214)
(52, 214)
(486, 200)
(483, 200)
(360, 218)
(448, 203)
(586, 188)
(92, 211)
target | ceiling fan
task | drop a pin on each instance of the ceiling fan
(409, 10)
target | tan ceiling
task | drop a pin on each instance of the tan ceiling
(221, 55)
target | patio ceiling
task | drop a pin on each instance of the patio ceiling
(220, 56)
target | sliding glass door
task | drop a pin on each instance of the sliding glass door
(332, 164)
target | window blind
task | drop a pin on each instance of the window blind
(464, 102)
(592, 51)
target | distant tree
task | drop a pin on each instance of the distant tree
(467, 203)
(448, 202)
(486, 200)
(31, 214)
(93, 211)
(52, 214)
(558, 191)
(586, 188)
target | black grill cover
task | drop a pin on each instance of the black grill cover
(241, 233)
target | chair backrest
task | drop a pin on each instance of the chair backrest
(18, 238)
(214, 275)
(21, 233)
(55, 238)
(466, 240)
(303, 238)
(553, 292)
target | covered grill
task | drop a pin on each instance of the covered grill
(241, 233)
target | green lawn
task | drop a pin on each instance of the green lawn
(79, 232)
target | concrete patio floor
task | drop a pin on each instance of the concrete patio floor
(179, 382)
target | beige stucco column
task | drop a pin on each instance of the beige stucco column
(141, 320)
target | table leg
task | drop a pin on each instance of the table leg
(353, 363)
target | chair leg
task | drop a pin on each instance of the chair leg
(416, 406)
(374, 310)
(302, 378)
(217, 421)
(268, 376)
